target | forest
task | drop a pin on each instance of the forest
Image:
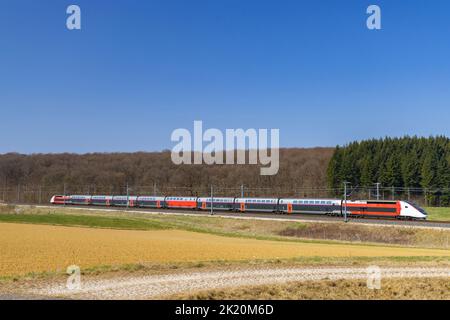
(416, 167)
(407, 163)
(144, 171)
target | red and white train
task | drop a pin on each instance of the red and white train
(334, 207)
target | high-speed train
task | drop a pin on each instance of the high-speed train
(333, 207)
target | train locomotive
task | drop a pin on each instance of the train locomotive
(395, 209)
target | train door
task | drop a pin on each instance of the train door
(289, 207)
(242, 207)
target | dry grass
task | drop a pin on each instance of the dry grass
(413, 288)
(430, 238)
(38, 248)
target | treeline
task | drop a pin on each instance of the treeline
(408, 162)
(298, 168)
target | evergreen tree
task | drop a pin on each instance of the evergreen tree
(407, 162)
(334, 169)
(411, 170)
(391, 175)
(429, 175)
(367, 171)
(428, 172)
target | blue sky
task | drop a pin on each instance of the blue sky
(140, 69)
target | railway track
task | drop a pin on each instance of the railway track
(269, 216)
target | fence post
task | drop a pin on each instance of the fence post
(4, 191)
(212, 201)
(128, 196)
